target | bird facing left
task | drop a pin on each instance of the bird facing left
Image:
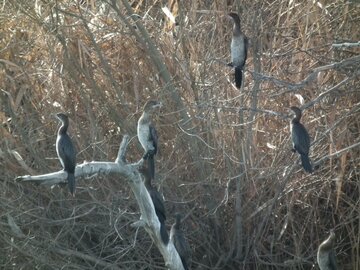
(66, 151)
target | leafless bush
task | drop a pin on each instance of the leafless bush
(224, 160)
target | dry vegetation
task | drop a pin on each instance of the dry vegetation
(247, 202)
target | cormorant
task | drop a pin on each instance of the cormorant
(300, 139)
(158, 204)
(147, 134)
(66, 151)
(326, 256)
(239, 47)
(180, 243)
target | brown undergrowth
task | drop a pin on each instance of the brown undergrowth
(224, 159)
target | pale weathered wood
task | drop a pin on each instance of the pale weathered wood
(130, 172)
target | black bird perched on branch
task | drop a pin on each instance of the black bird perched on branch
(239, 47)
(326, 256)
(147, 134)
(158, 204)
(300, 139)
(66, 151)
(180, 243)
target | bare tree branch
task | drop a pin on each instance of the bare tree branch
(148, 218)
(309, 79)
(338, 153)
(346, 44)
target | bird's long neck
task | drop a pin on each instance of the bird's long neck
(64, 127)
(328, 243)
(145, 118)
(297, 118)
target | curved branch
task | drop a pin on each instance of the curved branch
(148, 218)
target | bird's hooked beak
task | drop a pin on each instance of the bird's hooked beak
(290, 113)
(54, 115)
(159, 105)
(228, 18)
(57, 116)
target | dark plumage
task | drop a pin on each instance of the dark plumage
(326, 256)
(180, 243)
(300, 139)
(239, 47)
(158, 204)
(66, 151)
(147, 134)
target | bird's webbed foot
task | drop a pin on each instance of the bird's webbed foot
(293, 150)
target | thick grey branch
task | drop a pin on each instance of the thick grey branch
(148, 218)
(346, 44)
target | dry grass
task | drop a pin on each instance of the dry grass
(93, 63)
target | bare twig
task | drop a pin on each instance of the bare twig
(346, 44)
(310, 78)
(337, 153)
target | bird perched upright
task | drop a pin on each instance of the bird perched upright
(300, 139)
(180, 243)
(147, 134)
(326, 256)
(66, 151)
(239, 47)
(158, 204)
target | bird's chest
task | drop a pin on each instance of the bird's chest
(237, 50)
(143, 134)
(58, 143)
(323, 261)
(59, 150)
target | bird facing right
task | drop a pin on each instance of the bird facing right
(300, 139)
(326, 256)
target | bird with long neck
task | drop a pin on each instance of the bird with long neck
(147, 134)
(180, 242)
(300, 139)
(66, 151)
(326, 255)
(239, 47)
(158, 203)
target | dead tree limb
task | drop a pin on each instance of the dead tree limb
(130, 172)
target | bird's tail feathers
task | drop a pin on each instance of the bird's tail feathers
(71, 183)
(238, 76)
(186, 267)
(151, 166)
(305, 161)
(163, 233)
